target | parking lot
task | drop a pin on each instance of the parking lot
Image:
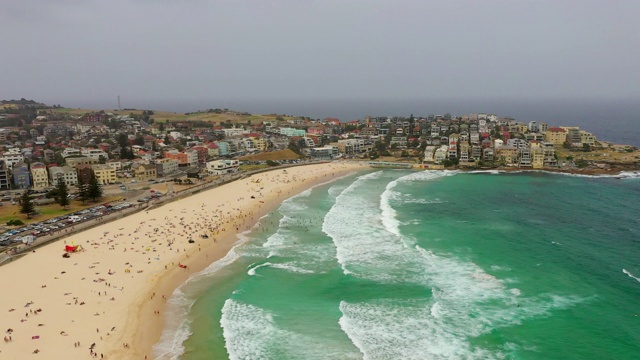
(28, 233)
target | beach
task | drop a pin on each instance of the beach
(107, 300)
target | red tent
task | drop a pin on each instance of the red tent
(70, 248)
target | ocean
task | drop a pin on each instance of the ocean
(396, 264)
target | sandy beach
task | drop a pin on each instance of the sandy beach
(108, 300)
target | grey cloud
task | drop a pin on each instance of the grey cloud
(73, 50)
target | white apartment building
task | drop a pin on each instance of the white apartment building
(219, 167)
(94, 154)
(71, 152)
(12, 157)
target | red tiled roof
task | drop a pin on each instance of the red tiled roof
(556, 129)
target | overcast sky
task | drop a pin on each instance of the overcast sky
(75, 52)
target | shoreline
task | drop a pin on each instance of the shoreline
(71, 311)
(127, 254)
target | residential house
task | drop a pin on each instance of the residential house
(165, 167)
(56, 174)
(185, 159)
(95, 154)
(573, 135)
(71, 152)
(506, 153)
(292, 132)
(556, 135)
(145, 172)
(587, 138)
(202, 153)
(85, 172)
(104, 173)
(70, 176)
(115, 164)
(234, 132)
(49, 156)
(81, 160)
(219, 167)
(429, 153)
(441, 154)
(525, 157)
(487, 154)
(537, 156)
(325, 152)
(465, 149)
(5, 176)
(223, 148)
(39, 175)
(21, 176)
(259, 142)
(400, 141)
(12, 156)
(213, 150)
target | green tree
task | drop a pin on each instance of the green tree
(94, 190)
(62, 194)
(139, 140)
(123, 140)
(59, 159)
(26, 204)
(83, 190)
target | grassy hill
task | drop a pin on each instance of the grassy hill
(164, 116)
(286, 154)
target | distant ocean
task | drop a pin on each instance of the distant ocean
(612, 120)
(395, 264)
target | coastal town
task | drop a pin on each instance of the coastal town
(123, 153)
(175, 190)
(43, 145)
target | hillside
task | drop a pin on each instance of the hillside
(286, 154)
(165, 116)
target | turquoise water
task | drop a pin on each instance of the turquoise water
(427, 265)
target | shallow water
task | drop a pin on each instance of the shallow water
(428, 265)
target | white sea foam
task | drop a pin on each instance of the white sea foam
(388, 212)
(500, 268)
(629, 175)
(630, 274)
(428, 175)
(250, 332)
(621, 175)
(388, 217)
(466, 303)
(361, 242)
(371, 176)
(252, 269)
(403, 330)
(423, 201)
(177, 328)
(247, 330)
(291, 267)
(493, 172)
